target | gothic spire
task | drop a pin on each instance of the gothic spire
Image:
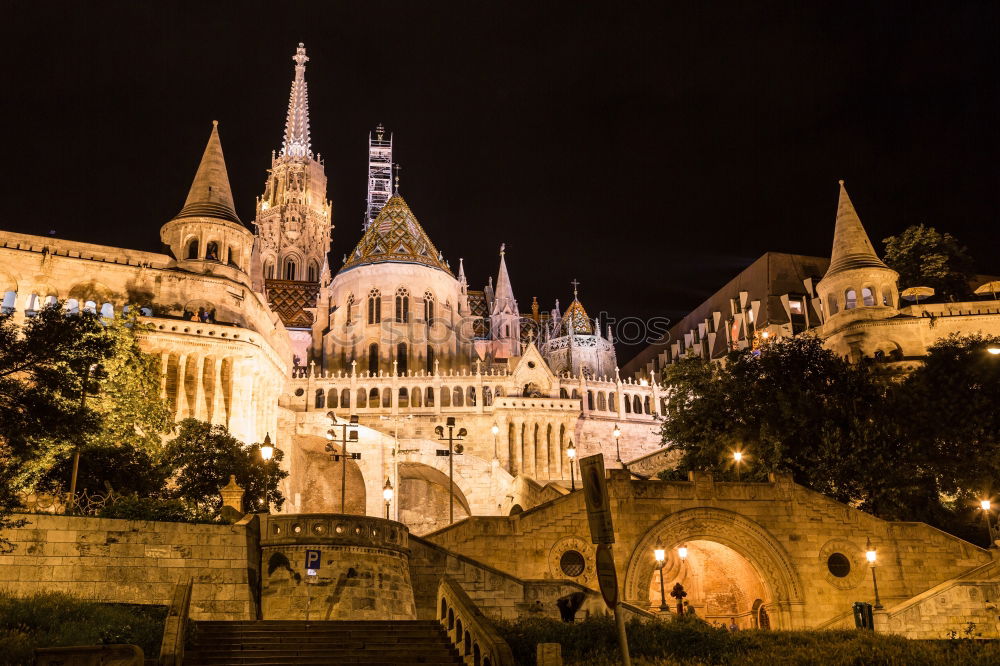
(503, 294)
(296, 143)
(851, 246)
(210, 195)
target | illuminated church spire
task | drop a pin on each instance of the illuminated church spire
(296, 142)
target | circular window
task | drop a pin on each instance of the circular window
(839, 565)
(299, 392)
(572, 563)
(531, 364)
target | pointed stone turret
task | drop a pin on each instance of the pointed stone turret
(210, 194)
(851, 246)
(857, 285)
(296, 143)
(505, 319)
(503, 293)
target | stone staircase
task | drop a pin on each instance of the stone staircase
(278, 642)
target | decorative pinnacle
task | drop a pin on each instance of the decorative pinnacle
(575, 283)
(841, 181)
(397, 168)
(296, 143)
(503, 248)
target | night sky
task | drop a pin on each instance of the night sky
(649, 150)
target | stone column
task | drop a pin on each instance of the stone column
(199, 389)
(182, 401)
(218, 398)
(164, 368)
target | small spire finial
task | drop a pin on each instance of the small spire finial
(397, 168)
(215, 123)
(575, 283)
(503, 248)
(841, 181)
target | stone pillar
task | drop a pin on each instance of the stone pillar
(164, 368)
(199, 389)
(182, 401)
(218, 397)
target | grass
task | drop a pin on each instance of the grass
(54, 619)
(693, 642)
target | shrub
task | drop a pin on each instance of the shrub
(54, 619)
(133, 507)
(689, 640)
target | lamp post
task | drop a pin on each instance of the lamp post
(994, 349)
(79, 444)
(496, 431)
(682, 552)
(617, 433)
(395, 420)
(985, 505)
(871, 555)
(451, 452)
(346, 437)
(738, 460)
(571, 454)
(387, 496)
(661, 559)
(266, 453)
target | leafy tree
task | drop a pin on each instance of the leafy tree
(205, 455)
(923, 257)
(124, 469)
(792, 406)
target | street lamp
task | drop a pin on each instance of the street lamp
(616, 433)
(396, 420)
(994, 349)
(496, 431)
(682, 552)
(451, 452)
(345, 437)
(871, 555)
(387, 496)
(985, 505)
(266, 453)
(571, 454)
(661, 559)
(738, 460)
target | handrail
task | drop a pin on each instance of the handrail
(471, 632)
(175, 627)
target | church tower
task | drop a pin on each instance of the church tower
(293, 220)
(857, 285)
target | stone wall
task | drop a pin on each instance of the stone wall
(953, 606)
(138, 562)
(786, 532)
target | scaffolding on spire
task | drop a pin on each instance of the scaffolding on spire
(296, 143)
(379, 172)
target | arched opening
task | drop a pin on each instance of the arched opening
(868, 297)
(312, 273)
(374, 306)
(212, 251)
(332, 399)
(602, 402)
(289, 269)
(428, 307)
(401, 364)
(320, 398)
(192, 249)
(887, 295)
(269, 269)
(850, 299)
(320, 485)
(9, 300)
(362, 400)
(430, 360)
(402, 305)
(373, 398)
(415, 396)
(345, 398)
(628, 404)
(471, 398)
(404, 397)
(457, 399)
(423, 498)
(429, 396)
(373, 358)
(720, 583)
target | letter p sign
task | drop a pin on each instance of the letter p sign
(313, 560)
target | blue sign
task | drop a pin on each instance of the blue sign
(313, 559)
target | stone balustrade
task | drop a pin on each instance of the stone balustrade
(472, 634)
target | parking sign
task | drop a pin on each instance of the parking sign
(313, 560)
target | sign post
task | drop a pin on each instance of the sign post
(602, 532)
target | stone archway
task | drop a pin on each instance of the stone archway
(732, 562)
(317, 478)
(423, 498)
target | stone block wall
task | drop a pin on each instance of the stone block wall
(951, 607)
(138, 562)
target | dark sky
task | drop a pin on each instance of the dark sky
(650, 150)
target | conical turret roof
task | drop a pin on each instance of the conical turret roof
(576, 319)
(396, 236)
(210, 194)
(851, 247)
(503, 293)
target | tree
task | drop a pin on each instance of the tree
(923, 257)
(205, 455)
(792, 406)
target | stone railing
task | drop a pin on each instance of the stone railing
(333, 529)
(175, 626)
(472, 634)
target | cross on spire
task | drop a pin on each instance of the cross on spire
(575, 283)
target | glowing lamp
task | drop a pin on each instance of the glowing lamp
(765, 335)
(870, 552)
(266, 450)
(387, 491)
(738, 456)
(682, 552)
(994, 349)
(495, 429)
(617, 432)
(660, 554)
(985, 505)
(571, 451)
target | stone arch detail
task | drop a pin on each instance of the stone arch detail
(743, 535)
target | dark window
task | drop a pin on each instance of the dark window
(401, 358)
(373, 358)
(839, 565)
(193, 249)
(572, 563)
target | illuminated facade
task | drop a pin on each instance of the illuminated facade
(256, 332)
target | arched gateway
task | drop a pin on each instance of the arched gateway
(733, 569)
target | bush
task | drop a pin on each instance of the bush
(689, 640)
(133, 507)
(54, 619)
